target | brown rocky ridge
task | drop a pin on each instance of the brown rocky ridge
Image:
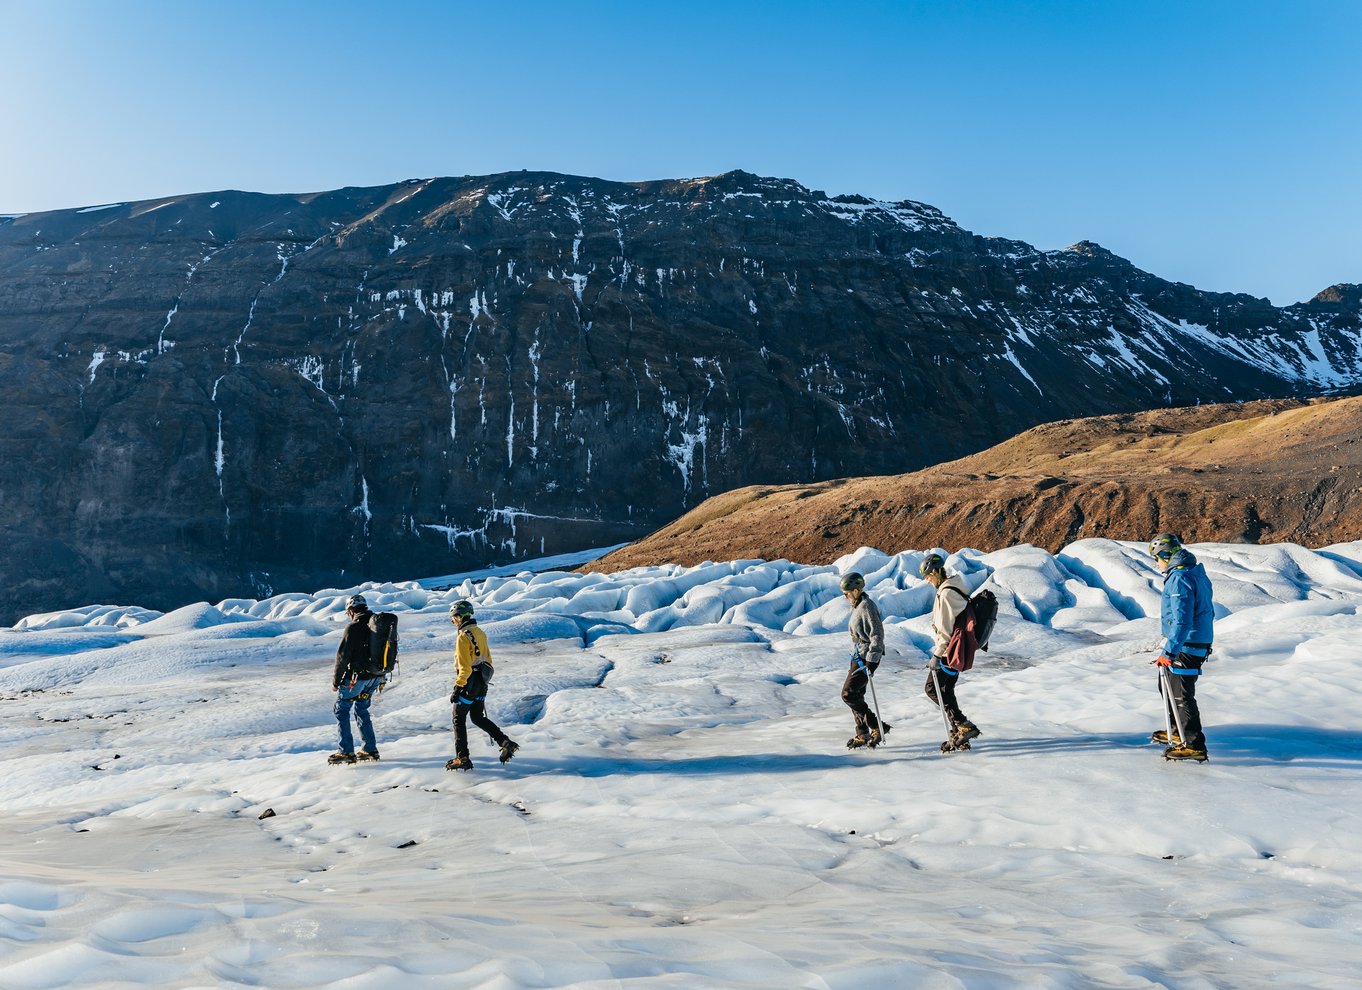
(1269, 471)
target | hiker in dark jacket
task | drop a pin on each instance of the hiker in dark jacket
(355, 682)
(1187, 616)
(867, 642)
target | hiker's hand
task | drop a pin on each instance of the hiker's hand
(1163, 661)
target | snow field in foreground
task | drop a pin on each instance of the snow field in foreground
(683, 812)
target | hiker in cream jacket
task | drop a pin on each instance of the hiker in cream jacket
(951, 599)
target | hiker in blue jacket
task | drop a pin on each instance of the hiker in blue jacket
(1187, 615)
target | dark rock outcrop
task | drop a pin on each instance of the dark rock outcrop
(232, 393)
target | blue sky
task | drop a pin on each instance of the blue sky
(1216, 143)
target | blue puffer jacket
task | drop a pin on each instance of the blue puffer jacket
(1187, 613)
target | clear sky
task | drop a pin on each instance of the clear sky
(1216, 142)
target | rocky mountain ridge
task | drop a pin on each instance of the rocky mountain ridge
(1256, 472)
(232, 393)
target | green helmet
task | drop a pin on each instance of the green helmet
(931, 563)
(853, 582)
(462, 609)
(1164, 546)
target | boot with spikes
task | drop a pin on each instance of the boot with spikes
(965, 731)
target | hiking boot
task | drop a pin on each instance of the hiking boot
(1164, 739)
(459, 763)
(858, 741)
(965, 731)
(508, 749)
(336, 758)
(954, 745)
(1181, 752)
(877, 735)
(366, 757)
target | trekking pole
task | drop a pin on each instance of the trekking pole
(1177, 716)
(1167, 701)
(941, 703)
(874, 699)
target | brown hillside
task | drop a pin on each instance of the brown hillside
(1257, 472)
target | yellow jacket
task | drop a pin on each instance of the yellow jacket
(471, 649)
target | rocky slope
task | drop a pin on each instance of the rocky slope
(1267, 471)
(230, 393)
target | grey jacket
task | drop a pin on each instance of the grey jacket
(867, 630)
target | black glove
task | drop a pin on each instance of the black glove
(454, 696)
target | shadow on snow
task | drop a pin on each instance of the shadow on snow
(1234, 743)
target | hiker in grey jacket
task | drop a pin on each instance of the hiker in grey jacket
(951, 597)
(867, 641)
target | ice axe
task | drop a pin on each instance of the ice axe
(1170, 706)
(874, 700)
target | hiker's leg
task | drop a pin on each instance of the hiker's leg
(461, 729)
(853, 693)
(366, 723)
(1182, 691)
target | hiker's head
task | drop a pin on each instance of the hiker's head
(356, 605)
(461, 611)
(853, 586)
(1163, 548)
(933, 569)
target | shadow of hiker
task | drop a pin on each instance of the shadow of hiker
(1057, 744)
(1299, 745)
(737, 765)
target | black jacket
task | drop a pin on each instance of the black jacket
(352, 656)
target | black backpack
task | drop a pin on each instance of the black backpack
(979, 615)
(985, 605)
(382, 644)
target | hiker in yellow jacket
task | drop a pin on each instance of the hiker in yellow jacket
(472, 674)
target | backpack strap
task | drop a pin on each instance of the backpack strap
(477, 653)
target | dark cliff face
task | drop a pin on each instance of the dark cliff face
(232, 393)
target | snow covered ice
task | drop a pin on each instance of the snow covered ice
(682, 812)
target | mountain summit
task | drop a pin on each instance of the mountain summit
(231, 393)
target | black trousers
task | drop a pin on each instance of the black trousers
(1182, 690)
(853, 693)
(947, 699)
(470, 703)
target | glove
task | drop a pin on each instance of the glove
(453, 696)
(1163, 661)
